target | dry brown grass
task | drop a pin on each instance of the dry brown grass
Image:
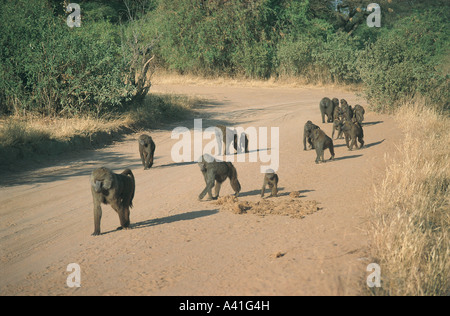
(410, 230)
(164, 77)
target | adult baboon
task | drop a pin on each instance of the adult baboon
(307, 130)
(327, 108)
(215, 173)
(337, 114)
(242, 142)
(358, 113)
(321, 142)
(227, 135)
(337, 126)
(353, 131)
(146, 150)
(116, 190)
(270, 179)
(346, 110)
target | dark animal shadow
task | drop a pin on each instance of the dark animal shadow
(347, 157)
(173, 218)
(373, 144)
(372, 123)
(258, 192)
(176, 164)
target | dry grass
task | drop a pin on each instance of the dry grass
(20, 136)
(164, 77)
(411, 227)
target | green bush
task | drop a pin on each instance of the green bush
(50, 68)
(408, 61)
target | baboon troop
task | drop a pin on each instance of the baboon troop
(271, 180)
(307, 130)
(215, 173)
(146, 150)
(321, 142)
(116, 190)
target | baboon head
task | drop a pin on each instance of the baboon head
(101, 180)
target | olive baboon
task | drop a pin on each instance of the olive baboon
(327, 108)
(146, 150)
(337, 114)
(215, 173)
(358, 113)
(116, 190)
(270, 179)
(321, 142)
(226, 135)
(307, 130)
(353, 131)
(346, 110)
(337, 126)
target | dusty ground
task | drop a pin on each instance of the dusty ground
(181, 246)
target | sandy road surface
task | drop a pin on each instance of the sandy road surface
(181, 246)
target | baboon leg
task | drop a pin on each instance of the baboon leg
(97, 217)
(332, 152)
(263, 188)
(208, 188)
(319, 153)
(361, 141)
(143, 160)
(217, 189)
(274, 190)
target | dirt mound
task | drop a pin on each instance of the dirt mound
(292, 207)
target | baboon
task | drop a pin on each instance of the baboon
(321, 142)
(270, 179)
(215, 173)
(116, 190)
(337, 126)
(146, 150)
(353, 131)
(243, 142)
(346, 110)
(337, 114)
(327, 108)
(226, 135)
(307, 130)
(358, 113)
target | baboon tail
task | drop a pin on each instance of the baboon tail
(128, 173)
(232, 174)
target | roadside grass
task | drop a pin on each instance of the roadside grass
(31, 135)
(410, 230)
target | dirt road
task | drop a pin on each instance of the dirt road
(181, 246)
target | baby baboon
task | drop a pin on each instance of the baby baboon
(358, 113)
(146, 150)
(321, 142)
(327, 108)
(116, 190)
(353, 131)
(307, 130)
(337, 126)
(270, 179)
(216, 172)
